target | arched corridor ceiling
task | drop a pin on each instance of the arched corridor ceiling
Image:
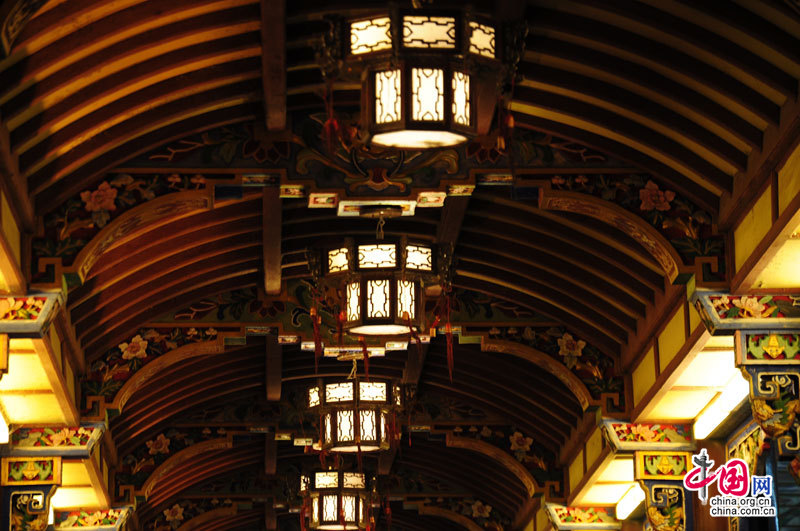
(127, 127)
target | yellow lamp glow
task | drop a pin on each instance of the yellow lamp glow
(717, 411)
(4, 435)
(630, 502)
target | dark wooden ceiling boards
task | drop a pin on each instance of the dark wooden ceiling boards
(700, 96)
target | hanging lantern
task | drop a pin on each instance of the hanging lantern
(427, 76)
(355, 415)
(381, 282)
(338, 500)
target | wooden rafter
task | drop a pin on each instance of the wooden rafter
(274, 370)
(273, 62)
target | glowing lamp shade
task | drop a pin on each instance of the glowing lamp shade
(381, 285)
(410, 109)
(4, 432)
(630, 502)
(337, 500)
(736, 390)
(425, 99)
(355, 415)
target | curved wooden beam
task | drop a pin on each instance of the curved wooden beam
(544, 361)
(616, 216)
(180, 458)
(143, 217)
(208, 516)
(155, 367)
(460, 519)
(493, 452)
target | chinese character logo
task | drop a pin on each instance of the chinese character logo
(761, 485)
(732, 478)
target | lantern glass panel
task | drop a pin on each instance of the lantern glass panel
(329, 508)
(481, 41)
(367, 36)
(384, 427)
(369, 428)
(326, 480)
(461, 109)
(305, 483)
(313, 397)
(349, 508)
(353, 480)
(405, 298)
(353, 301)
(380, 256)
(315, 509)
(345, 427)
(372, 391)
(378, 298)
(337, 260)
(328, 437)
(388, 98)
(427, 94)
(429, 32)
(339, 392)
(361, 511)
(419, 257)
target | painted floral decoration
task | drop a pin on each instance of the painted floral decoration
(70, 519)
(174, 513)
(670, 433)
(137, 348)
(45, 437)
(160, 445)
(571, 349)
(653, 198)
(756, 307)
(100, 199)
(21, 308)
(481, 510)
(520, 443)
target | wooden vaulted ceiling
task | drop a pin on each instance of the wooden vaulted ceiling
(699, 96)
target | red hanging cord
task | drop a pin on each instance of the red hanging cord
(315, 319)
(448, 330)
(330, 129)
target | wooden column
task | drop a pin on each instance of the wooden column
(272, 221)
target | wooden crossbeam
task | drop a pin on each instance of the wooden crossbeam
(273, 62)
(274, 368)
(270, 517)
(414, 363)
(452, 217)
(13, 185)
(270, 455)
(272, 222)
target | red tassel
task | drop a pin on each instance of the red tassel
(388, 512)
(365, 353)
(315, 319)
(449, 336)
(340, 326)
(330, 129)
(303, 514)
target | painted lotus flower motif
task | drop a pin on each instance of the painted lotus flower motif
(750, 307)
(174, 513)
(486, 431)
(100, 199)
(644, 432)
(158, 446)
(568, 346)
(520, 443)
(481, 510)
(137, 348)
(654, 199)
(723, 302)
(62, 436)
(93, 519)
